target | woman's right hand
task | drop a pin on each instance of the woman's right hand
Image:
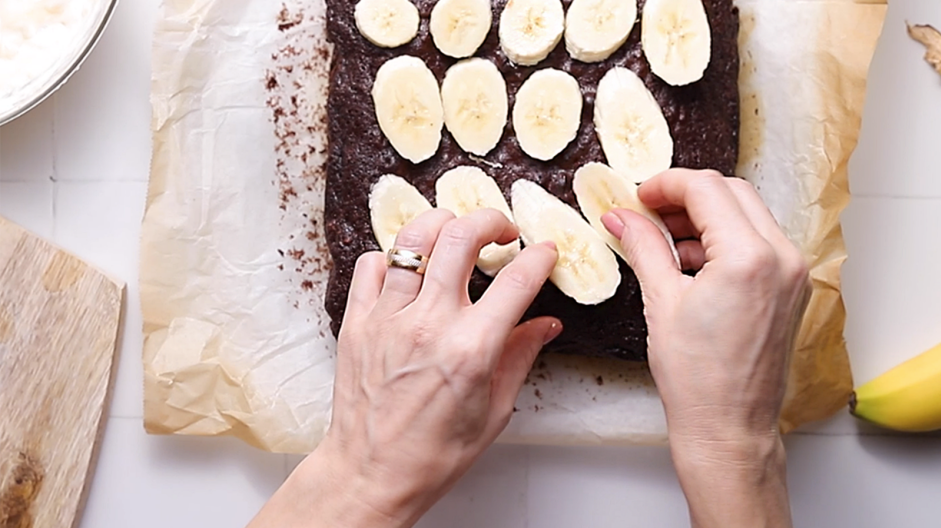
(719, 341)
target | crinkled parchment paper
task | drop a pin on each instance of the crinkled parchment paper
(233, 260)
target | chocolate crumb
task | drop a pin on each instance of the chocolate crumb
(538, 393)
(599, 380)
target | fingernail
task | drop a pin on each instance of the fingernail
(554, 330)
(551, 245)
(613, 224)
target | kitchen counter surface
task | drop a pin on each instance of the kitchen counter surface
(75, 170)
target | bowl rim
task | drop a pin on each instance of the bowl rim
(90, 44)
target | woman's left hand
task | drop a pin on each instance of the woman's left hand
(426, 379)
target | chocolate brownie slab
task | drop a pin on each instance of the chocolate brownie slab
(703, 118)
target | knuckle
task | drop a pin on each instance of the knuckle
(518, 280)
(459, 232)
(707, 179)
(369, 260)
(423, 336)
(411, 237)
(712, 174)
(740, 184)
(797, 270)
(756, 261)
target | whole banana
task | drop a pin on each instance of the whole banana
(906, 398)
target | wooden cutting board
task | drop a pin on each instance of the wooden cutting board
(59, 321)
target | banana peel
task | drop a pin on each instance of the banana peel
(906, 398)
(931, 39)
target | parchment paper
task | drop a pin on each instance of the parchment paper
(233, 260)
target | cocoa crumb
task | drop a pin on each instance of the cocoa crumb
(296, 98)
(538, 393)
(599, 380)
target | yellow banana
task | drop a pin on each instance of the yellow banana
(906, 398)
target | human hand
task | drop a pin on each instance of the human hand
(425, 379)
(719, 341)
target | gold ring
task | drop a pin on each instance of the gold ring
(405, 259)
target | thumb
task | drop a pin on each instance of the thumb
(522, 347)
(647, 251)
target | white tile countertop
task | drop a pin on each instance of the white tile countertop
(75, 170)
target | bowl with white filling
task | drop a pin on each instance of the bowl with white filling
(42, 43)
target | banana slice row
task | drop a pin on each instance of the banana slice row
(586, 271)
(675, 34)
(393, 203)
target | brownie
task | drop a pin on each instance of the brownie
(703, 119)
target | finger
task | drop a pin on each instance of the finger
(792, 262)
(515, 287)
(401, 286)
(710, 204)
(455, 253)
(646, 249)
(692, 255)
(679, 225)
(759, 214)
(368, 275)
(522, 348)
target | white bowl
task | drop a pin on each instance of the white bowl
(57, 64)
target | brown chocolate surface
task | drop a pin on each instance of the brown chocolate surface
(703, 119)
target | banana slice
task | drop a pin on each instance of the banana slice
(594, 29)
(634, 134)
(530, 29)
(598, 189)
(386, 23)
(676, 39)
(393, 203)
(587, 270)
(475, 104)
(459, 27)
(408, 107)
(547, 113)
(466, 189)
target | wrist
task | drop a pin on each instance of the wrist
(734, 482)
(341, 494)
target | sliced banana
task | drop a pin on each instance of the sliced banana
(594, 29)
(465, 189)
(547, 113)
(587, 270)
(393, 203)
(386, 23)
(459, 27)
(634, 134)
(598, 190)
(408, 107)
(475, 104)
(531, 29)
(676, 39)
